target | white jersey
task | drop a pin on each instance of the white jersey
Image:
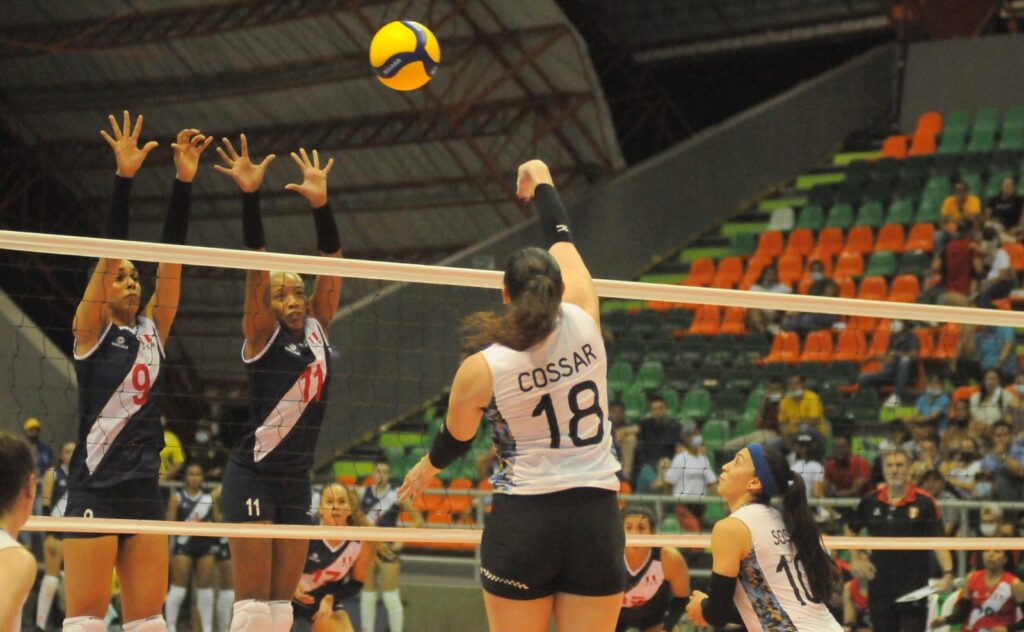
(7, 542)
(549, 410)
(772, 591)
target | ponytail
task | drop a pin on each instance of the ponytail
(534, 284)
(812, 559)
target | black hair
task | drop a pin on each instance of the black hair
(797, 375)
(931, 475)
(641, 510)
(984, 389)
(616, 402)
(533, 281)
(811, 556)
(16, 468)
(775, 379)
(1002, 423)
(656, 398)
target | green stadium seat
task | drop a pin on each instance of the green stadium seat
(715, 433)
(1013, 139)
(743, 245)
(994, 181)
(670, 525)
(745, 427)
(982, 141)
(730, 402)
(939, 186)
(929, 211)
(696, 404)
(870, 214)
(812, 217)
(973, 181)
(1013, 118)
(1004, 161)
(635, 401)
(881, 264)
(957, 121)
(953, 142)
(987, 119)
(672, 400)
(620, 376)
(713, 512)
(901, 212)
(916, 263)
(433, 427)
(651, 375)
(840, 216)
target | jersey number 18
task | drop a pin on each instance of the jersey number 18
(546, 407)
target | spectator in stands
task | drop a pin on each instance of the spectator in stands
(959, 427)
(207, 451)
(989, 519)
(991, 403)
(656, 441)
(955, 252)
(804, 323)
(932, 408)
(846, 474)
(996, 348)
(966, 367)
(1005, 464)
(816, 272)
(172, 457)
(1015, 416)
(899, 438)
(962, 467)
(807, 466)
(800, 411)
(898, 364)
(42, 454)
(961, 205)
(689, 476)
(999, 279)
(934, 483)
(767, 319)
(766, 421)
(625, 436)
(926, 457)
(1005, 210)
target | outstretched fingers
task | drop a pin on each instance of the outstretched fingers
(327, 169)
(230, 148)
(245, 145)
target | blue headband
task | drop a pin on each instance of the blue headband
(762, 470)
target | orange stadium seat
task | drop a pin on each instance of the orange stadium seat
(895, 147)
(826, 262)
(890, 237)
(431, 503)
(852, 346)
(730, 270)
(707, 321)
(458, 495)
(851, 264)
(847, 288)
(925, 342)
(755, 266)
(873, 288)
(818, 347)
(785, 348)
(791, 268)
(800, 242)
(1016, 252)
(770, 244)
(860, 240)
(905, 289)
(830, 242)
(962, 392)
(929, 123)
(701, 272)
(734, 322)
(921, 237)
(922, 144)
(879, 347)
(947, 341)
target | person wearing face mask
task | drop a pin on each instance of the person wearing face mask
(208, 451)
(932, 408)
(898, 363)
(1005, 464)
(999, 277)
(989, 599)
(990, 403)
(688, 476)
(803, 323)
(962, 468)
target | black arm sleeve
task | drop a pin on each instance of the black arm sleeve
(327, 240)
(961, 612)
(252, 223)
(717, 606)
(446, 449)
(676, 610)
(176, 222)
(343, 590)
(117, 222)
(554, 221)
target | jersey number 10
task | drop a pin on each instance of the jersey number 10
(784, 567)
(546, 407)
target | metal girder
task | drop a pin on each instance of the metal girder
(491, 118)
(133, 28)
(217, 85)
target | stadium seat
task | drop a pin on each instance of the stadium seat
(730, 402)
(620, 375)
(702, 271)
(824, 260)
(873, 288)
(635, 400)
(431, 503)
(905, 289)
(840, 216)
(946, 342)
(865, 323)
(729, 273)
(953, 142)
(707, 321)
(818, 347)
(696, 404)
(830, 243)
(940, 186)
(1013, 118)
(743, 245)
(850, 264)
(916, 263)
(852, 346)
(670, 525)
(755, 266)
(921, 237)
(770, 244)
(1012, 139)
(928, 123)
(790, 268)
(922, 144)
(458, 495)
(782, 219)
(715, 433)
(881, 264)
(812, 216)
(995, 181)
(962, 393)
(982, 141)
(901, 211)
(1016, 252)
(890, 238)
(734, 322)
(785, 348)
(895, 147)
(879, 343)
(861, 240)
(925, 342)
(870, 214)
(959, 121)
(651, 375)
(800, 242)
(986, 119)
(847, 288)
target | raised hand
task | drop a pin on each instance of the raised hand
(189, 146)
(531, 173)
(125, 144)
(314, 179)
(247, 174)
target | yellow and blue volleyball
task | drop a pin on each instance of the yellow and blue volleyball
(404, 55)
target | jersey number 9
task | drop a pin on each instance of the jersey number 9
(546, 407)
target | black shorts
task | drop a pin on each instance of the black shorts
(570, 542)
(137, 499)
(194, 547)
(222, 550)
(251, 496)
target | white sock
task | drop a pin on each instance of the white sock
(368, 609)
(155, 623)
(393, 602)
(47, 591)
(225, 601)
(251, 616)
(175, 597)
(204, 603)
(83, 624)
(281, 616)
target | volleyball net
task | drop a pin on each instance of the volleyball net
(694, 374)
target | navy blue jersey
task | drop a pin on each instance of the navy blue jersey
(198, 508)
(288, 383)
(382, 510)
(646, 586)
(59, 494)
(328, 568)
(119, 431)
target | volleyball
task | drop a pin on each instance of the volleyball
(404, 55)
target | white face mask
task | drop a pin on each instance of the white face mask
(896, 326)
(796, 394)
(817, 276)
(988, 529)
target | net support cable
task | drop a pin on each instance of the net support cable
(489, 279)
